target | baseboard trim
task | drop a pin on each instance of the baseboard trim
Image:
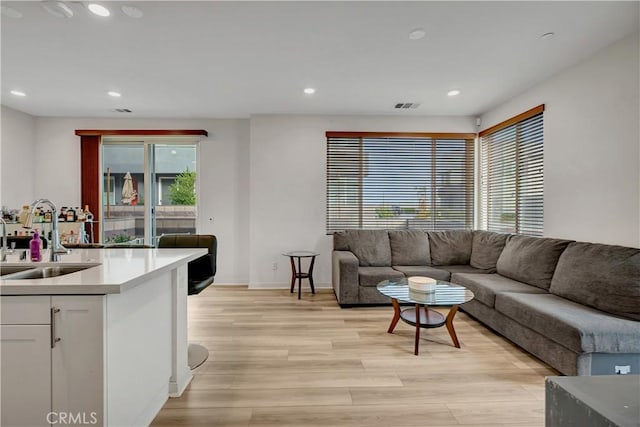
(280, 285)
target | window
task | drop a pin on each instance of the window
(378, 180)
(512, 169)
(151, 191)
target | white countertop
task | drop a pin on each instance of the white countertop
(118, 270)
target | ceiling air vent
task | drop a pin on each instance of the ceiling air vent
(401, 105)
(122, 110)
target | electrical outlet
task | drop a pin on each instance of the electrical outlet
(623, 370)
(274, 267)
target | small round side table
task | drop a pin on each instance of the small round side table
(296, 273)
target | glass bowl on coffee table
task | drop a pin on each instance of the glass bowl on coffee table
(445, 294)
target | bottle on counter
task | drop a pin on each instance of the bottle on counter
(34, 247)
(62, 217)
(88, 216)
(80, 215)
(48, 216)
(71, 215)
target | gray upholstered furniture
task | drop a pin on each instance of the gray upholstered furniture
(575, 305)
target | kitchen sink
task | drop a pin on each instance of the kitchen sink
(10, 269)
(47, 272)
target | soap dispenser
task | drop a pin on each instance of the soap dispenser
(34, 247)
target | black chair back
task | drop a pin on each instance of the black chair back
(201, 270)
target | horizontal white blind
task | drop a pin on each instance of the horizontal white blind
(512, 185)
(399, 182)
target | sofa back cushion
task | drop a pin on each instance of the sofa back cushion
(450, 247)
(409, 247)
(371, 247)
(486, 249)
(531, 260)
(604, 277)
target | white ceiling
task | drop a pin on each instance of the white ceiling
(234, 59)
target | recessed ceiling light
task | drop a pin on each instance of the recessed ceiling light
(309, 91)
(548, 35)
(131, 11)
(114, 94)
(10, 12)
(58, 9)
(453, 92)
(18, 93)
(417, 34)
(174, 152)
(98, 9)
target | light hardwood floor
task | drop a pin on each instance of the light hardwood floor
(277, 361)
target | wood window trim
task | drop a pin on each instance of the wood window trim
(435, 135)
(141, 132)
(513, 120)
(90, 142)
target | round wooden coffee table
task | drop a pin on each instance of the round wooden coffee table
(446, 294)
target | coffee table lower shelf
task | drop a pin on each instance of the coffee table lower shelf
(423, 317)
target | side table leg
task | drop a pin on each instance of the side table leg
(415, 350)
(293, 275)
(449, 324)
(299, 277)
(313, 260)
(396, 315)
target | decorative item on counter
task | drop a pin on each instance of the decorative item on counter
(34, 247)
(422, 284)
(24, 213)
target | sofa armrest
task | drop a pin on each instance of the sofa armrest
(345, 276)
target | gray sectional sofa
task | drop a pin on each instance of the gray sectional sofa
(575, 305)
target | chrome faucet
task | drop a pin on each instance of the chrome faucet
(5, 248)
(56, 249)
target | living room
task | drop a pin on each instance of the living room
(262, 175)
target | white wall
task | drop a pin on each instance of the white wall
(222, 178)
(263, 180)
(288, 185)
(592, 145)
(17, 152)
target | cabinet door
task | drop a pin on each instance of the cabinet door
(25, 385)
(77, 358)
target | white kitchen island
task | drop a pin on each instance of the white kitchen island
(106, 345)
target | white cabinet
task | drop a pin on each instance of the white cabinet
(77, 358)
(52, 359)
(26, 375)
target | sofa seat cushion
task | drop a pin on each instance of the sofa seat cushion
(530, 260)
(450, 247)
(486, 249)
(605, 277)
(423, 270)
(485, 287)
(371, 276)
(409, 247)
(575, 326)
(371, 247)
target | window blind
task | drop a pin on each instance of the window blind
(415, 181)
(512, 170)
